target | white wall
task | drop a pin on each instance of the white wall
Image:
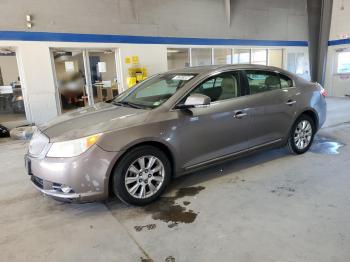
(338, 84)
(37, 81)
(153, 57)
(340, 19)
(250, 19)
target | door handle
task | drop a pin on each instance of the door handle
(239, 115)
(291, 102)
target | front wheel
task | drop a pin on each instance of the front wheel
(142, 175)
(301, 135)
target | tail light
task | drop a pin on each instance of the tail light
(323, 92)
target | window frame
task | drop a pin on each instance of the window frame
(293, 83)
(278, 73)
(215, 74)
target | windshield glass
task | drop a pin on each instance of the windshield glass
(153, 92)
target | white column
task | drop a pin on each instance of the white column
(37, 81)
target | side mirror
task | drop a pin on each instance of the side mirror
(195, 100)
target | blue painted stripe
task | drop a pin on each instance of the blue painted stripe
(339, 42)
(96, 38)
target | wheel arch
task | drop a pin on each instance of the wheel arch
(155, 143)
(311, 113)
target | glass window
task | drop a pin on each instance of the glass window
(275, 57)
(262, 81)
(221, 87)
(178, 58)
(286, 81)
(153, 92)
(241, 56)
(71, 80)
(343, 63)
(201, 56)
(103, 73)
(222, 56)
(259, 57)
(296, 63)
(11, 97)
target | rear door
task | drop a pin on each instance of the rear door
(217, 130)
(271, 106)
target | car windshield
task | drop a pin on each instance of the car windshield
(153, 92)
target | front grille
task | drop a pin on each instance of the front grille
(37, 181)
(38, 143)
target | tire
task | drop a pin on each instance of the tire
(149, 181)
(301, 135)
(4, 132)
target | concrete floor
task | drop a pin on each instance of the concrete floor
(4, 117)
(271, 206)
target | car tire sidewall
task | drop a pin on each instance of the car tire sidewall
(119, 174)
(291, 143)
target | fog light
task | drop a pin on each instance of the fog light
(66, 189)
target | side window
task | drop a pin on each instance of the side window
(208, 84)
(286, 81)
(262, 81)
(220, 87)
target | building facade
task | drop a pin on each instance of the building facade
(65, 60)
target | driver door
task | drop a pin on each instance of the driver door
(218, 130)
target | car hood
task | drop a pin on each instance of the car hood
(101, 117)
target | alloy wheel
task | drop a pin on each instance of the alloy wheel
(144, 177)
(303, 134)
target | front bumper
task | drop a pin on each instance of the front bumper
(87, 175)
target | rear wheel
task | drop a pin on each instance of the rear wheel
(142, 175)
(301, 135)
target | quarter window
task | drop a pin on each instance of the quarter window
(286, 81)
(262, 81)
(221, 87)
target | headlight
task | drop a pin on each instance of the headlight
(72, 148)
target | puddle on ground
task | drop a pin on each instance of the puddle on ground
(166, 210)
(326, 145)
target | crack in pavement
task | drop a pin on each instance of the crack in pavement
(129, 234)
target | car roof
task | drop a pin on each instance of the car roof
(212, 68)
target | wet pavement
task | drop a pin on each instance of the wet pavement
(326, 145)
(271, 206)
(168, 210)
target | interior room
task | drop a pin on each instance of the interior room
(11, 95)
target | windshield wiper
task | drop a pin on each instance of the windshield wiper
(125, 103)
